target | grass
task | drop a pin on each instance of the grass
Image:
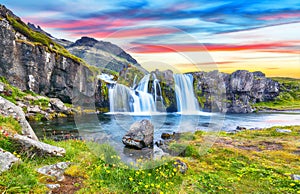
(225, 168)
(289, 97)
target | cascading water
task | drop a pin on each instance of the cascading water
(157, 94)
(185, 98)
(120, 99)
(124, 99)
(143, 85)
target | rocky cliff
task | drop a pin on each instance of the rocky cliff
(30, 60)
(233, 93)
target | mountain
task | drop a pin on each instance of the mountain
(102, 54)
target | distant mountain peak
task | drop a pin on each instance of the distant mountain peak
(102, 54)
(85, 41)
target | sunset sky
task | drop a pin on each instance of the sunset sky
(182, 35)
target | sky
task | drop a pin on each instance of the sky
(182, 35)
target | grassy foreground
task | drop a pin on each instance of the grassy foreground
(258, 161)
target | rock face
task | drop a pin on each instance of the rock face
(33, 147)
(140, 135)
(9, 109)
(233, 93)
(31, 66)
(102, 54)
(7, 160)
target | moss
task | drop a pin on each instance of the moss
(76, 171)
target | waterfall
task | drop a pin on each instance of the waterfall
(125, 99)
(141, 100)
(185, 98)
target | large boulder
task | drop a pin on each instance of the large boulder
(33, 147)
(140, 135)
(7, 159)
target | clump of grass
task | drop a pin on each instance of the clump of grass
(10, 124)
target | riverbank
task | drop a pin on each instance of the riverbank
(250, 161)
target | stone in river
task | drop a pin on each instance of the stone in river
(140, 135)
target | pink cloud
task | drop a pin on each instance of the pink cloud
(127, 33)
(109, 23)
(148, 48)
(280, 16)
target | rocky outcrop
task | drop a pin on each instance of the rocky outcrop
(9, 109)
(7, 159)
(55, 170)
(140, 135)
(33, 147)
(38, 29)
(102, 54)
(233, 93)
(30, 65)
(59, 106)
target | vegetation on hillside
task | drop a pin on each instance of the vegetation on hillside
(128, 75)
(288, 99)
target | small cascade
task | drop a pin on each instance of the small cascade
(120, 98)
(125, 99)
(185, 98)
(157, 94)
(134, 82)
(143, 85)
